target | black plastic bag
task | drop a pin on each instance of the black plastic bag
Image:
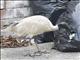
(62, 41)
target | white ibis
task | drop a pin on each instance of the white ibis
(33, 26)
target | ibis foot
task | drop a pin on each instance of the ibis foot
(38, 53)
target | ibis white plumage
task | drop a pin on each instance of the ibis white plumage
(33, 25)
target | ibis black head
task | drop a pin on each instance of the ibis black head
(65, 26)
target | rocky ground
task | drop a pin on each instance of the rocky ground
(13, 49)
(19, 53)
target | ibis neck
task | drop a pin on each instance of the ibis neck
(54, 28)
